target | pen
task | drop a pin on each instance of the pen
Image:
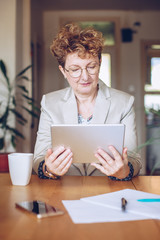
(149, 200)
(123, 203)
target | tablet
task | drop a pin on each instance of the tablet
(83, 140)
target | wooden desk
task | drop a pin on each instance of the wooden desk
(16, 225)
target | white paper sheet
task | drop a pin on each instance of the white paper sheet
(107, 207)
(85, 212)
(113, 200)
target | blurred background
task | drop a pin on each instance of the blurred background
(130, 60)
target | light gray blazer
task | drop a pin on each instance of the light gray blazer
(112, 106)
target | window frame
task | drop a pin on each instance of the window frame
(146, 52)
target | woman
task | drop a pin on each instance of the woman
(86, 101)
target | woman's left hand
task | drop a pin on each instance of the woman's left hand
(116, 167)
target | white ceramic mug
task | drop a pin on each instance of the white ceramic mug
(20, 167)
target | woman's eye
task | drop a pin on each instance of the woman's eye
(91, 67)
(75, 70)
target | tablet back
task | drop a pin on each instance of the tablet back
(83, 140)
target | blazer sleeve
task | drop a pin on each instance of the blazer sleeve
(43, 141)
(129, 120)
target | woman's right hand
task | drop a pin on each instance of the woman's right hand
(59, 161)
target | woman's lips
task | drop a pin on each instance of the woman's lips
(85, 84)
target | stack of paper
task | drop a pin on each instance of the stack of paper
(107, 207)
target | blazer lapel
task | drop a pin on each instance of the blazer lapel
(70, 112)
(102, 105)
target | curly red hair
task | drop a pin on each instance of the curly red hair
(71, 39)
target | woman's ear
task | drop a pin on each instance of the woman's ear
(62, 71)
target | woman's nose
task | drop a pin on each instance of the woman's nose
(85, 74)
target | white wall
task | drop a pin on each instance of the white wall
(15, 49)
(8, 46)
(130, 54)
(8, 34)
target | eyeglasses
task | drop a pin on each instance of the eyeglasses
(76, 71)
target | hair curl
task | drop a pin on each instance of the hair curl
(71, 39)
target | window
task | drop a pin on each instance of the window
(152, 83)
(105, 69)
(106, 27)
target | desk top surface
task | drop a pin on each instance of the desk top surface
(15, 224)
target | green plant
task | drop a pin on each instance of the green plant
(10, 104)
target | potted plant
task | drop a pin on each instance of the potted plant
(9, 104)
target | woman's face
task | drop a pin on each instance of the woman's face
(82, 74)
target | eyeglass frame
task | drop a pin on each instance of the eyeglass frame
(82, 70)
